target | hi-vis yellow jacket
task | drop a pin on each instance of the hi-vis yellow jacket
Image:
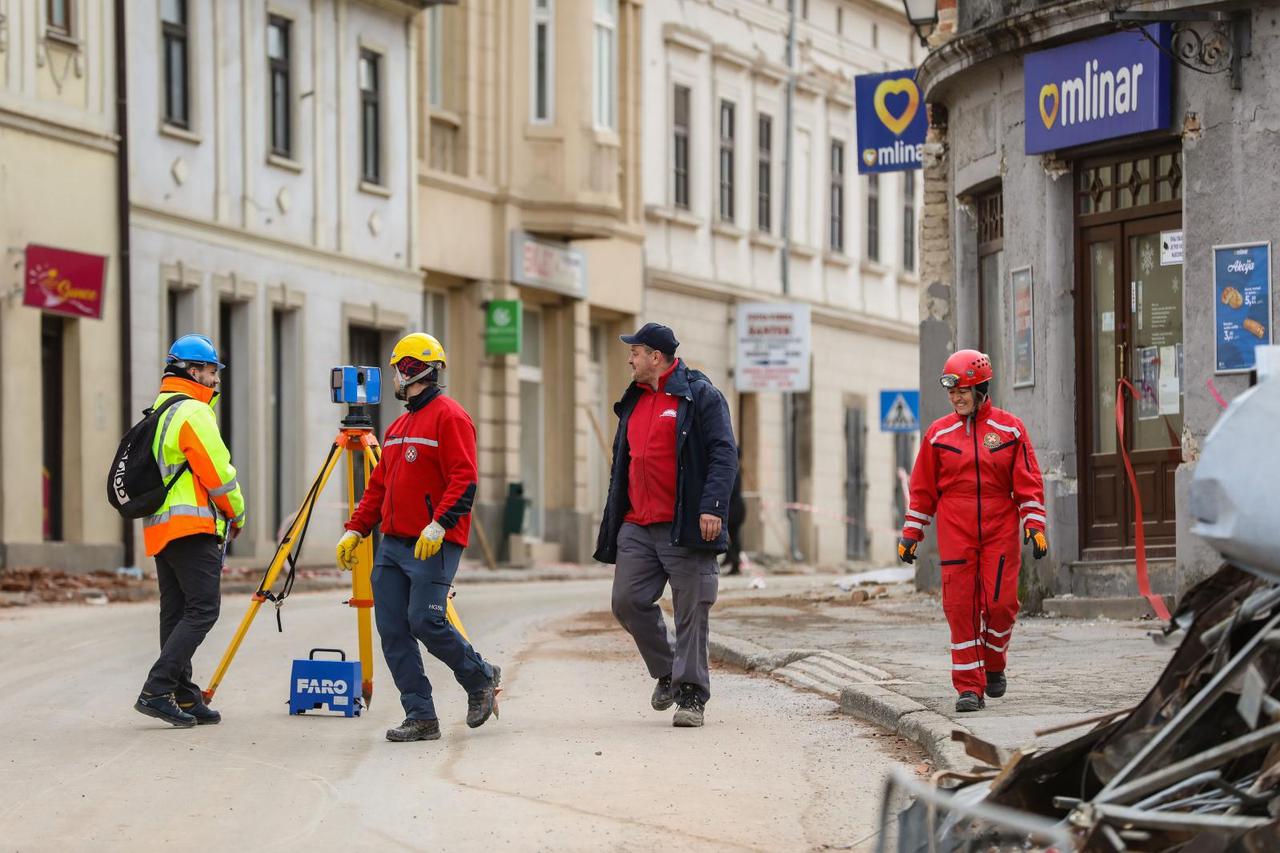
(189, 433)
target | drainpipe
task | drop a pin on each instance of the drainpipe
(122, 245)
(788, 401)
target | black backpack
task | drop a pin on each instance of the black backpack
(134, 485)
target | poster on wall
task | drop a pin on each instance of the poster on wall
(1242, 308)
(891, 120)
(1024, 342)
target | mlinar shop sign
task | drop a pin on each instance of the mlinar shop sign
(1111, 86)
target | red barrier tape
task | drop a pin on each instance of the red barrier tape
(1213, 389)
(1139, 535)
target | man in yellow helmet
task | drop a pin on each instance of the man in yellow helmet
(421, 493)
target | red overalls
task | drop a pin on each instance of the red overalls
(981, 477)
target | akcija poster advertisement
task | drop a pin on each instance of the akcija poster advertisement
(1242, 304)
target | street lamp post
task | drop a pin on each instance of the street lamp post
(923, 15)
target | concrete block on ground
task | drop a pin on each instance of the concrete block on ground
(1119, 609)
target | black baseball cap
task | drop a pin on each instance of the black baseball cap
(655, 336)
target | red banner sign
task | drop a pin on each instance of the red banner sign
(64, 282)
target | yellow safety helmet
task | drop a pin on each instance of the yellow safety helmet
(418, 345)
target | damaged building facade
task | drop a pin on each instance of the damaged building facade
(1100, 189)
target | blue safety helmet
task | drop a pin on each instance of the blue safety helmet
(190, 350)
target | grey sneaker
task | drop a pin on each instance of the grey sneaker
(664, 695)
(969, 701)
(689, 713)
(482, 703)
(411, 730)
(996, 684)
(164, 707)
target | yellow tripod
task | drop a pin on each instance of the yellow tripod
(359, 445)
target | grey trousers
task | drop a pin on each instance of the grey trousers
(647, 561)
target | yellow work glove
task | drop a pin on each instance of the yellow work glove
(347, 546)
(907, 550)
(1039, 544)
(429, 541)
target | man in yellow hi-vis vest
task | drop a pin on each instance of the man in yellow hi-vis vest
(187, 533)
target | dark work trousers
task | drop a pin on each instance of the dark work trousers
(647, 562)
(409, 600)
(189, 570)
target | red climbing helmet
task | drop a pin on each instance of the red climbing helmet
(965, 369)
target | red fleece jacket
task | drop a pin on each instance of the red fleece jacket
(651, 438)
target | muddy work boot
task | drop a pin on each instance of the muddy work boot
(664, 695)
(689, 710)
(969, 701)
(411, 730)
(163, 707)
(482, 703)
(996, 684)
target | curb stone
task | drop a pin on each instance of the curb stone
(870, 703)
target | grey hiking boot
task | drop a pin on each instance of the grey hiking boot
(411, 730)
(164, 707)
(996, 684)
(482, 703)
(664, 695)
(969, 701)
(689, 710)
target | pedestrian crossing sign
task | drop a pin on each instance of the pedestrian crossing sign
(900, 411)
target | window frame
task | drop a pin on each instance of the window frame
(989, 206)
(681, 141)
(542, 16)
(176, 32)
(836, 161)
(282, 68)
(435, 57)
(727, 161)
(764, 173)
(64, 29)
(604, 101)
(371, 98)
(909, 243)
(873, 217)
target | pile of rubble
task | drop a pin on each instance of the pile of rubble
(22, 587)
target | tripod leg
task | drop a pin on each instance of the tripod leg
(451, 614)
(273, 572)
(361, 577)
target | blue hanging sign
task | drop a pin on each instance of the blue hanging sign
(1242, 304)
(892, 121)
(900, 411)
(1111, 86)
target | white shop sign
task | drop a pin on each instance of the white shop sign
(548, 265)
(774, 346)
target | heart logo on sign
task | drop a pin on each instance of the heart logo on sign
(869, 156)
(902, 86)
(1049, 91)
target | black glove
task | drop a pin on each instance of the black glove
(1039, 545)
(907, 550)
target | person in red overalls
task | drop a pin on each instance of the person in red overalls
(977, 471)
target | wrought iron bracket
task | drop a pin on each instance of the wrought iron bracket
(1220, 48)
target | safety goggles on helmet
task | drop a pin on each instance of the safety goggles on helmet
(949, 380)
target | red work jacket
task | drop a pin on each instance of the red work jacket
(979, 476)
(651, 438)
(427, 473)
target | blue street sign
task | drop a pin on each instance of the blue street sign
(1114, 85)
(900, 411)
(891, 120)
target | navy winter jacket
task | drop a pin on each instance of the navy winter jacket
(706, 464)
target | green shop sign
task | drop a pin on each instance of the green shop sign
(502, 327)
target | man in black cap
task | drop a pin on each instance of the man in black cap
(674, 463)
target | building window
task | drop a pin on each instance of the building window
(839, 21)
(726, 160)
(371, 116)
(278, 73)
(680, 146)
(177, 88)
(909, 220)
(435, 57)
(836, 221)
(873, 217)
(991, 324)
(58, 14)
(542, 55)
(875, 35)
(605, 76)
(764, 173)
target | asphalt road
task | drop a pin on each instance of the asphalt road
(578, 760)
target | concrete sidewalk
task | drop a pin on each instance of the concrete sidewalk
(887, 660)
